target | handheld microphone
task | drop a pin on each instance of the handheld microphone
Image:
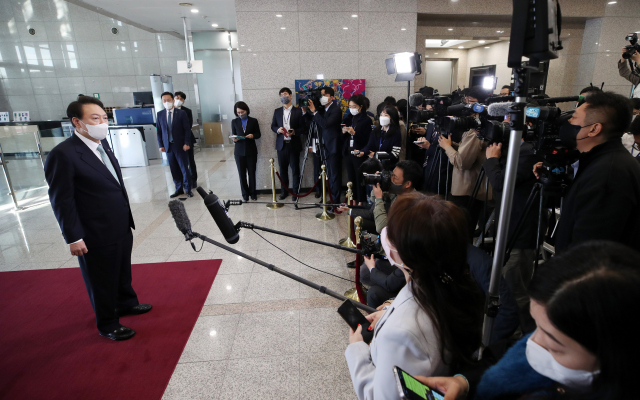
(220, 216)
(181, 218)
(499, 109)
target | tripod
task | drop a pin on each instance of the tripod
(438, 160)
(314, 134)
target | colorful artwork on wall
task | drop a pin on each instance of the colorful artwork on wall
(344, 88)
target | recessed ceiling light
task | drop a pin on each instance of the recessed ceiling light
(426, 56)
(279, 15)
(612, 2)
(481, 41)
(254, 54)
(461, 47)
(499, 31)
(241, 45)
(283, 28)
(450, 29)
(403, 29)
(435, 53)
(487, 47)
(214, 25)
(194, 10)
(354, 16)
(345, 28)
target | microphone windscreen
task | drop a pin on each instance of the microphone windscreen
(221, 218)
(499, 109)
(416, 100)
(180, 216)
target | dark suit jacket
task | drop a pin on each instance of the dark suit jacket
(181, 129)
(87, 201)
(330, 130)
(189, 114)
(361, 123)
(297, 123)
(246, 147)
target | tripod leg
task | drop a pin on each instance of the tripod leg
(535, 191)
(535, 264)
(304, 164)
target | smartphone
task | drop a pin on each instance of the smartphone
(355, 152)
(412, 389)
(352, 316)
(417, 141)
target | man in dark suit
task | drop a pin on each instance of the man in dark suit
(91, 205)
(328, 117)
(175, 138)
(180, 97)
(288, 123)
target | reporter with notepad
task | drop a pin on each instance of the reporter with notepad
(245, 131)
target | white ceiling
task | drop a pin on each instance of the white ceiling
(456, 43)
(166, 15)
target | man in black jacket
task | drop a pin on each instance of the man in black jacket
(519, 268)
(603, 200)
(180, 97)
(288, 124)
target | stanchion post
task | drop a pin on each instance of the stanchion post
(347, 242)
(324, 215)
(274, 204)
(353, 293)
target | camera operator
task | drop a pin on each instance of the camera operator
(417, 128)
(631, 139)
(519, 267)
(602, 202)
(467, 161)
(435, 176)
(328, 118)
(357, 129)
(630, 70)
(505, 91)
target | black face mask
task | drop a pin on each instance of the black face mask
(396, 189)
(569, 134)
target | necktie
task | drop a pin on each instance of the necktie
(169, 128)
(107, 162)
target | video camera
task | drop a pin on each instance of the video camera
(310, 94)
(370, 244)
(633, 47)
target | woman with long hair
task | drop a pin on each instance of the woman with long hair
(386, 138)
(434, 323)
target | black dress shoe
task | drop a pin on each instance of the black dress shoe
(254, 198)
(122, 333)
(351, 264)
(189, 193)
(245, 198)
(318, 195)
(137, 310)
(176, 194)
(283, 196)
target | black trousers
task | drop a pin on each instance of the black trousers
(106, 271)
(192, 167)
(247, 165)
(334, 166)
(287, 157)
(473, 213)
(352, 164)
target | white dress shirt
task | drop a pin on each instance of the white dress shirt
(286, 119)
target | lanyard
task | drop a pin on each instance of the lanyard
(380, 147)
(285, 120)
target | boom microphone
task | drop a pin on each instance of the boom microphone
(499, 109)
(416, 100)
(220, 216)
(180, 217)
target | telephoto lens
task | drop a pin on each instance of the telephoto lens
(383, 178)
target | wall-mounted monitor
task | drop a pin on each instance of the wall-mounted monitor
(143, 98)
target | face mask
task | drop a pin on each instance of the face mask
(168, 105)
(386, 246)
(384, 121)
(243, 116)
(97, 132)
(354, 111)
(396, 189)
(324, 100)
(569, 134)
(179, 103)
(543, 363)
(284, 100)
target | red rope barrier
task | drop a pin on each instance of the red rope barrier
(293, 194)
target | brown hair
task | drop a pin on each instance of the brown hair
(431, 236)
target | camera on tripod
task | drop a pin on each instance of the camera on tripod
(310, 94)
(633, 47)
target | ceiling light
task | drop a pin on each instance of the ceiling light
(254, 54)
(214, 25)
(345, 28)
(241, 45)
(435, 53)
(481, 41)
(426, 56)
(487, 47)
(612, 2)
(461, 47)
(450, 29)
(283, 28)
(279, 15)
(354, 16)
(499, 31)
(194, 10)
(403, 29)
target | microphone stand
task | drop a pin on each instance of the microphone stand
(272, 267)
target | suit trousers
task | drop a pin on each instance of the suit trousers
(179, 164)
(376, 295)
(334, 162)
(192, 167)
(352, 164)
(289, 158)
(106, 271)
(247, 165)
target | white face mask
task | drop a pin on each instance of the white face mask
(168, 105)
(178, 103)
(384, 241)
(385, 121)
(97, 132)
(324, 100)
(543, 363)
(354, 111)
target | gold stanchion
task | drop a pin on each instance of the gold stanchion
(347, 242)
(274, 203)
(353, 292)
(324, 215)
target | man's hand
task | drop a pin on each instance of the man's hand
(291, 132)
(424, 143)
(249, 136)
(418, 130)
(356, 336)
(312, 107)
(454, 387)
(370, 262)
(494, 151)
(372, 154)
(162, 149)
(444, 142)
(350, 130)
(282, 130)
(236, 140)
(360, 154)
(344, 209)
(186, 147)
(377, 191)
(535, 169)
(78, 249)
(373, 318)
(635, 57)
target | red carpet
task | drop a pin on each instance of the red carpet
(50, 347)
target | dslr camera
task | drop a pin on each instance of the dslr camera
(633, 47)
(310, 94)
(373, 172)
